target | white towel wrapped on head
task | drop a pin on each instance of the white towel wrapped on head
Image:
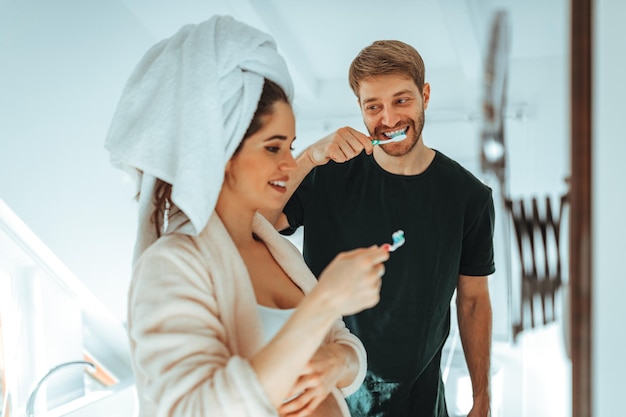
(185, 110)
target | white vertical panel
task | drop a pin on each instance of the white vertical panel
(608, 210)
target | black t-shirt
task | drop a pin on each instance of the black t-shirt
(447, 216)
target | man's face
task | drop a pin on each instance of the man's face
(391, 103)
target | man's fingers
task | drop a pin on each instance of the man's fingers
(365, 141)
(347, 144)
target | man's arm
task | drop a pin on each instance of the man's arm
(474, 317)
(340, 146)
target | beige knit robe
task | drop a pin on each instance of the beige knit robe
(193, 321)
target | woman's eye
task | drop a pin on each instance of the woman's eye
(273, 149)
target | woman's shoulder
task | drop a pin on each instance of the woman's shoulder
(285, 252)
(172, 261)
(169, 248)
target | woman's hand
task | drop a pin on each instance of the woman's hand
(329, 407)
(322, 373)
(351, 282)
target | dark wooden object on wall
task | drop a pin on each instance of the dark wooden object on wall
(580, 269)
(538, 238)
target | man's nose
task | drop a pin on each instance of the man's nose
(389, 117)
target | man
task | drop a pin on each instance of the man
(352, 198)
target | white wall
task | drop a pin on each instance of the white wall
(608, 208)
(64, 64)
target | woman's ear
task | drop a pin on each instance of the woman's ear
(227, 171)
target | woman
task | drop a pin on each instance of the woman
(224, 316)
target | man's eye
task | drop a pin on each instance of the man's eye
(402, 100)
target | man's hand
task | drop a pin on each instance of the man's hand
(481, 407)
(340, 146)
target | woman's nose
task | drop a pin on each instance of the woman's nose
(289, 163)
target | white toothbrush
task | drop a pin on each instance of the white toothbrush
(395, 138)
(398, 240)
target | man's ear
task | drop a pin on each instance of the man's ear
(426, 94)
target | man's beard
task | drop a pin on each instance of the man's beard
(404, 147)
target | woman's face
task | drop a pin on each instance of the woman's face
(258, 173)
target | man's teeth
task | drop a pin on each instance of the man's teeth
(279, 183)
(395, 133)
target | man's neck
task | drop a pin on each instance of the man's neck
(413, 163)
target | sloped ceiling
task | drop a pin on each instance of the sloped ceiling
(320, 38)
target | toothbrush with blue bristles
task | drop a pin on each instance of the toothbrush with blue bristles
(395, 137)
(398, 240)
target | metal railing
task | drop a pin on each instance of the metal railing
(30, 405)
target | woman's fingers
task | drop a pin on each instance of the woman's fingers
(303, 405)
(353, 278)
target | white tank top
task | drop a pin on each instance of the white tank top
(272, 320)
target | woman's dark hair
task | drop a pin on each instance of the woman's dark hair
(164, 209)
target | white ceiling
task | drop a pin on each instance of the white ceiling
(320, 38)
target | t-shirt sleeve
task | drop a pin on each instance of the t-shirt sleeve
(294, 209)
(477, 257)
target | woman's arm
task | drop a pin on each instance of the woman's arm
(334, 365)
(349, 284)
(179, 339)
(181, 359)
